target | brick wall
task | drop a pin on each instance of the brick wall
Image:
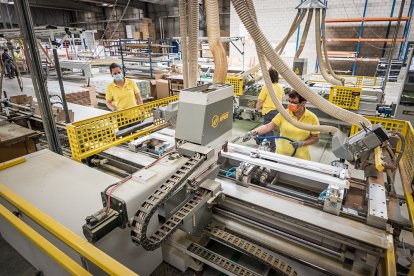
(275, 18)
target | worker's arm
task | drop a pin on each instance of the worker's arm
(259, 104)
(138, 98)
(312, 139)
(110, 105)
(259, 131)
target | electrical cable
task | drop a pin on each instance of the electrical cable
(231, 171)
(114, 187)
(280, 137)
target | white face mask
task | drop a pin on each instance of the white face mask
(118, 77)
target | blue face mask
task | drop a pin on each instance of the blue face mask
(118, 77)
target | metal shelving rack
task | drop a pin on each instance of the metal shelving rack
(396, 66)
(146, 53)
(364, 20)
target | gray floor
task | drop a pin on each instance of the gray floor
(12, 263)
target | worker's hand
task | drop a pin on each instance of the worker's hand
(248, 136)
(297, 144)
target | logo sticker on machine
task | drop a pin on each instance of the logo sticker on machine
(216, 120)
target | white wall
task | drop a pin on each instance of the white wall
(275, 18)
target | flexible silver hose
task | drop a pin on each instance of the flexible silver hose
(305, 34)
(217, 49)
(268, 83)
(280, 47)
(325, 50)
(321, 63)
(295, 82)
(184, 40)
(193, 42)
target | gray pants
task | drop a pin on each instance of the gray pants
(267, 119)
(10, 69)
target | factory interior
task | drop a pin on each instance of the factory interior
(206, 137)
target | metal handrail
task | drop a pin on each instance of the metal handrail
(52, 251)
(87, 250)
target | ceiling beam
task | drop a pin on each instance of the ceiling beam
(64, 5)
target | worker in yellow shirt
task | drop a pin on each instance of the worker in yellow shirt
(122, 93)
(299, 139)
(19, 58)
(264, 102)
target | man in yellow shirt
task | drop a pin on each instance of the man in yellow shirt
(122, 93)
(264, 102)
(301, 139)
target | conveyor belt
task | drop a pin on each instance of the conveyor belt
(146, 211)
(211, 258)
(252, 250)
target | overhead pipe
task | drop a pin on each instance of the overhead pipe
(295, 24)
(268, 83)
(193, 42)
(217, 49)
(184, 42)
(321, 63)
(280, 47)
(305, 34)
(325, 51)
(296, 83)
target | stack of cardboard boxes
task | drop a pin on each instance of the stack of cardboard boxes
(146, 29)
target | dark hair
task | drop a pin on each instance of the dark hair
(113, 66)
(274, 75)
(6, 49)
(294, 94)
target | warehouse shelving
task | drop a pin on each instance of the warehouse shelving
(356, 58)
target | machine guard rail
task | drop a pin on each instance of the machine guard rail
(85, 249)
(92, 136)
(356, 81)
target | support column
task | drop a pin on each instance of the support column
(37, 74)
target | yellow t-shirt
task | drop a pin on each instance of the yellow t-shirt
(122, 97)
(290, 131)
(18, 56)
(267, 101)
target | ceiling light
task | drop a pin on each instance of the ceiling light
(10, 2)
(104, 4)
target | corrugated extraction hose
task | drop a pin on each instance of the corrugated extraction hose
(296, 83)
(217, 49)
(325, 50)
(268, 82)
(305, 34)
(193, 42)
(280, 47)
(321, 63)
(184, 40)
(295, 24)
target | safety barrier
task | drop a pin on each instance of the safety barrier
(92, 136)
(81, 246)
(355, 81)
(237, 83)
(345, 97)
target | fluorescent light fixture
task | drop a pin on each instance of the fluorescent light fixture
(105, 4)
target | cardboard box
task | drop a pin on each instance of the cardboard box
(146, 20)
(137, 35)
(162, 89)
(153, 87)
(21, 99)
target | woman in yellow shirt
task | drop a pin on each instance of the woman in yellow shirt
(300, 139)
(122, 93)
(264, 102)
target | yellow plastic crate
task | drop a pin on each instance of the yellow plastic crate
(91, 136)
(345, 97)
(237, 84)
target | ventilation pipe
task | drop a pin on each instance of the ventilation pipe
(305, 34)
(268, 83)
(321, 63)
(319, 102)
(217, 49)
(325, 50)
(193, 42)
(184, 40)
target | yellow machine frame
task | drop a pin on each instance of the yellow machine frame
(92, 136)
